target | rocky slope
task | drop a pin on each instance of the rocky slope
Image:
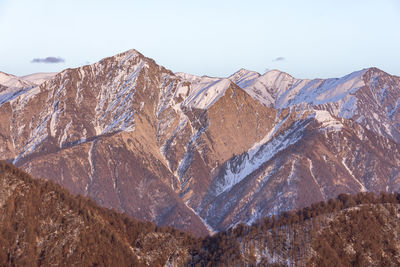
(203, 153)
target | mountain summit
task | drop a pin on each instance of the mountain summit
(202, 153)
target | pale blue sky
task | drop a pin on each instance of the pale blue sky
(319, 38)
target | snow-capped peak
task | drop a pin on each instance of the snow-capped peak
(265, 88)
(280, 90)
(243, 77)
(187, 77)
(130, 52)
(205, 91)
(124, 56)
(319, 91)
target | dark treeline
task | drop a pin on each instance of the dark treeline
(326, 227)
(35, 222)
(39, 218)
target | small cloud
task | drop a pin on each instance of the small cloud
(279, 59)
(48, 60)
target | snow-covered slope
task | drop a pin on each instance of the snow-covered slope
(11, 81)
(244, 77)
(317, 92)
(12, 86)
(205, 91)
(38, 78)
(280, 90)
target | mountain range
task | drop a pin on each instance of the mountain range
(202, 153)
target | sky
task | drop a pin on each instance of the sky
(307, 39)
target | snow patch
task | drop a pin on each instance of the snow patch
(53, 120)
(363, 189)
(394, 109)
(188, 157)
(311, 167)
(327, 121)
(204, 92)
(11, 94)
(211, 231)
(271, 133)
(38, 135)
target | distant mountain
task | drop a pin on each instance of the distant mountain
(11, 81)
(43, 224)
(12, 86)
(202, 153)
(38, 78)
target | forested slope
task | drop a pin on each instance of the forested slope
(41, 223)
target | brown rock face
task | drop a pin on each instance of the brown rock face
(202, 153)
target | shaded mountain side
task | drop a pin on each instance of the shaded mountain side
(41, 223)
